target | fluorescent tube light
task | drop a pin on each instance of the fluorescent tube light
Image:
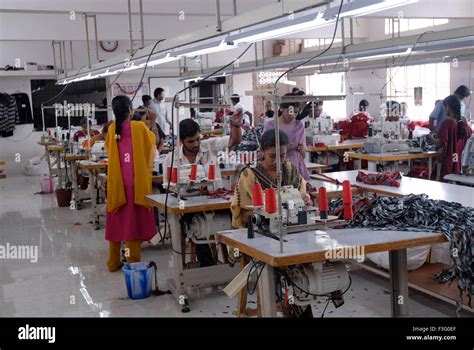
(205, 49)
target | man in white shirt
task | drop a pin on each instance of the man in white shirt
(159, 107)
(194, 151)
(239, 110)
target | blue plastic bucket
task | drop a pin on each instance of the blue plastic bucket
(138, 278)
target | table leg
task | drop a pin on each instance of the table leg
(266, 289)
(372, 166)
(176, 283)
(399, 282)
(48, 159)
(60, 172)
(430, 167)
(74, 171)
(95, 212)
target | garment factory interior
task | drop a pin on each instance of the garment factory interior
(236, 158)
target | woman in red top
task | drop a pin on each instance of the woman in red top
(452, 135)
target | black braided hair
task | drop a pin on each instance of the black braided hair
(455, 105)
(121, 107)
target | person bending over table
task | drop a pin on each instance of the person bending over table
(265, 174)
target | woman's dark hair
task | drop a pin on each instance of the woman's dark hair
(363, 104)
(105, 129)
(269, 114)
(121, 107)
(188, 128)
(268, 139)
(138, 115)
(84, 121)
(287, 105)
(462, 91)
(455, 105)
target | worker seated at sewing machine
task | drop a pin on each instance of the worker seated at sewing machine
(264, 173)
(83, 132)
(203, 153)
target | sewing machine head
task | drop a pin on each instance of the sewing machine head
(294, 213)
(187, 187)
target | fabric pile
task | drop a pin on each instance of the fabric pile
(418, 213)
(355, 127)
(387, 178)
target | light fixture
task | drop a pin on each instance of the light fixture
(395, 52)
(311, 19)
(365, 7)
(204, 48)
(287, 25)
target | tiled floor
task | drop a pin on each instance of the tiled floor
(70, 277)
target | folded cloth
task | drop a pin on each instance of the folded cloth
(387, 179)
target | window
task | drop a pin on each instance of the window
(407, 24)
(319, 43)
(329, 84)
(434, 79)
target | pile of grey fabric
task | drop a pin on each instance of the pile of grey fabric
(418, 213)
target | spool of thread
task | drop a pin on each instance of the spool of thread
(346, 192)
(323, 203)
(168, 173)
(271, 200)
(348, 214)
(193, 174)
(174, 175)
(211, 174)
(257, 195)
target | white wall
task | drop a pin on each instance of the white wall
(242, 83)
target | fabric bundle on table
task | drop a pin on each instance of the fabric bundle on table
(418, 213)
(387, 178)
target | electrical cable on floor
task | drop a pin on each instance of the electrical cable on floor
(173, 138)
(327, 304)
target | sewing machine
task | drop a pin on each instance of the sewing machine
(320, 130)
(186, 187)
(380, 145)
(205, 120)
(296, 216)
(97, 151)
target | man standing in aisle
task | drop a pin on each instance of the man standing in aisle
(159, 107)
(438, 114)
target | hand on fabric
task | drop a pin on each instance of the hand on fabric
(306, 198)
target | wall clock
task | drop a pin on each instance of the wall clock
(109, 45)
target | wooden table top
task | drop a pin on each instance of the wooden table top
(73, 157)
(346, 144)
(391, 156)
(434, 189)
(466, 179)
(47, 143)
(191, 204)
(312, 246)
(85, 164)
(57, 148)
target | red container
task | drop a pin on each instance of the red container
(174, 175)
(271, 200)
(346, 192)
(323, 199)
(348, 214)
(211, 174)
(193, 174)
(257, 195)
